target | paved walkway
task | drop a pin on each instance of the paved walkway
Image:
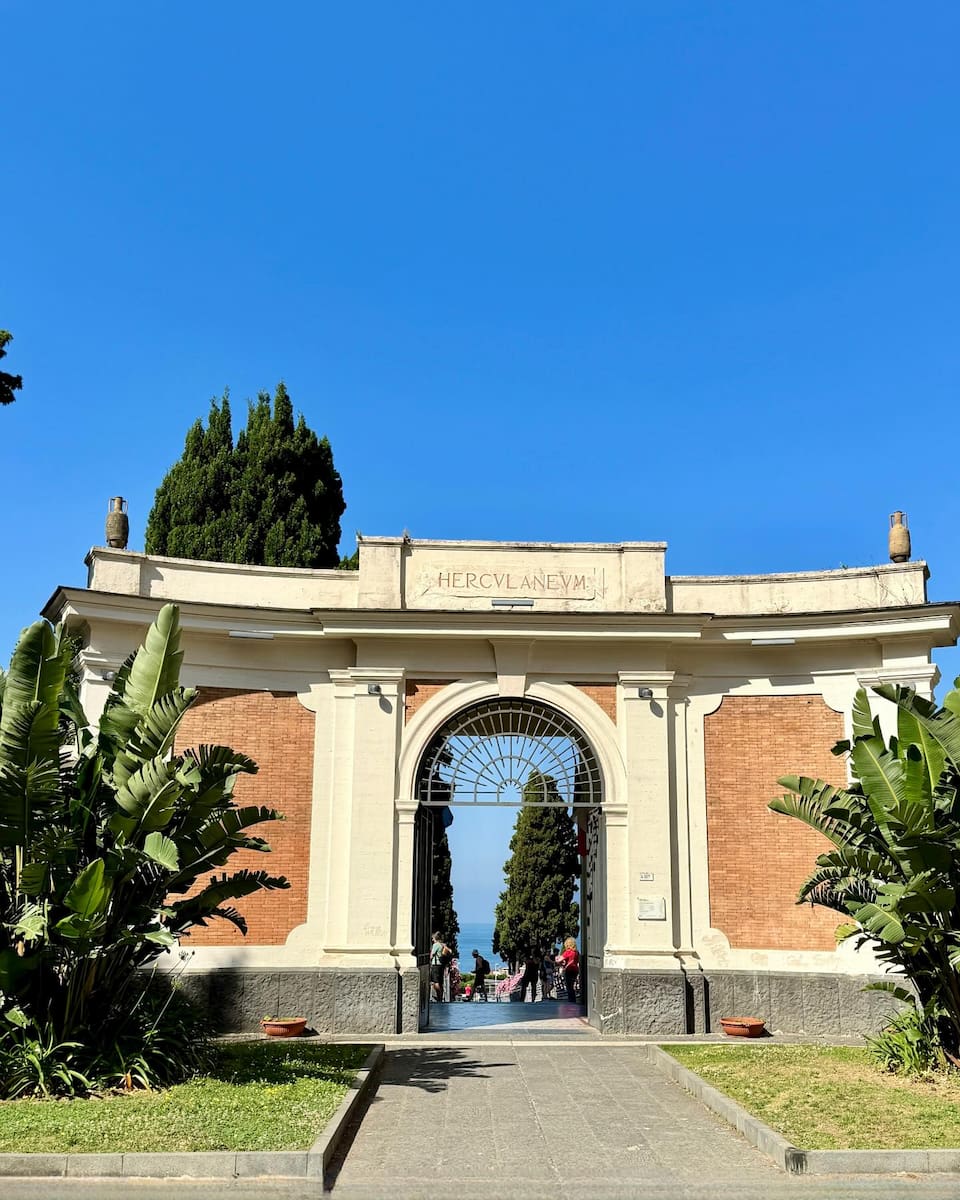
(506, 1018)
(580, 1118)
(547, 1118)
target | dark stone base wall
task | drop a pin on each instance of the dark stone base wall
(669, 1004)
(362, 1000)
(676, 1003)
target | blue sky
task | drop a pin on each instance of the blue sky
(678, 271)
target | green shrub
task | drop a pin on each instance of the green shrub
(104, 836)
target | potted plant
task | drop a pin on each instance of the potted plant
(283, 1026)
(742, 1026)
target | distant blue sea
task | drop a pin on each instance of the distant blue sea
(476, 936)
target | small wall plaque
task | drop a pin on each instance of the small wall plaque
(651, 908)
(646, 876)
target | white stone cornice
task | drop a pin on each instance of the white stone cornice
(659, 682)
(922, 677)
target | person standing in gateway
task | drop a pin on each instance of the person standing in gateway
(569, 962)
(439, 955)
(481, 970)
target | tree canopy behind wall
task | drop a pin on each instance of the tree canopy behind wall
(273, 498)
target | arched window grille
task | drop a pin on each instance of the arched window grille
(508, 752)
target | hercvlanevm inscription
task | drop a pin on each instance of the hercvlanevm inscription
(581, 585)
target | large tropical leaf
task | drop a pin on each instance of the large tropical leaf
(941, 724)
(195, 909)
(911, 732)
(819, 805)
(214, 842)
(881, 774)
(26, 794)
(155, 670)
(33, 684)
(925, 894)
(162, 850)
(154, 733)
(879, 922)
(150, 795)
(90, 892)
(917, 813)
(211, 772)
(864, 723)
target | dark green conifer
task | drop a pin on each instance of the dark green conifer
(275, 498)
(537, 910)
(444, 914)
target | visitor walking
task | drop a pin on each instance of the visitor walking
(531, 973)
(548, 971)
(440, 955)
(569, 962)
(481, 970)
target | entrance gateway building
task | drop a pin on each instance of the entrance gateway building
(441, 673)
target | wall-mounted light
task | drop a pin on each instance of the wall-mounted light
(645, 693)
(773, 642)
(373, 689)
(259, 634)
(511, 603)
(108, 676)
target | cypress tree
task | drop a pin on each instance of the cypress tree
(444, 915)
(274, 498)
(537, 910)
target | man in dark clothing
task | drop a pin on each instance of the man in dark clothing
(531, 973)
(481, 969)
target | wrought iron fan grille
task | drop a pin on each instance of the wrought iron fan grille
(507, 752)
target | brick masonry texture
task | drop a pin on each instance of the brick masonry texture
(277, 732)
(757, 859)
(604, 694)
(419, 691)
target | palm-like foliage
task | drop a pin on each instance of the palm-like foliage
(104, 831)
(894, 870)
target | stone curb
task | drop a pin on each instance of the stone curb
(216, 1164)
(326, 1144)
(789, 1157)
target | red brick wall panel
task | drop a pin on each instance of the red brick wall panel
(277, 732)
(603, 694)
(419, 691)
(757, 859)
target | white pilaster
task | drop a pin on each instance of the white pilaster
(360, 904)
(406, 812)
(644, 725)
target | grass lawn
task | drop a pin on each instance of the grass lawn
(261, 1096)
(831, 1097)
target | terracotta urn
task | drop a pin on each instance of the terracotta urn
(742, 1026)
(118, 523)
(899, 537)
(283, 1026)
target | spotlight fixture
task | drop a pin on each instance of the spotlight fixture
(645, 693)
(373, 689)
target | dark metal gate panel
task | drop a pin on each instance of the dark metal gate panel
(503, 751)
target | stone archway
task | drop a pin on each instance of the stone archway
(508, 752)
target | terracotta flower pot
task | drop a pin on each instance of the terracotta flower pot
(742, 1026)
(283, 1027)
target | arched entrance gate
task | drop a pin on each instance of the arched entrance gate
(510, 752)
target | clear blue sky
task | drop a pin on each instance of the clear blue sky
(646, 270)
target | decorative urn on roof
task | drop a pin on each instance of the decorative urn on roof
(899, 537)
(118, 523)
